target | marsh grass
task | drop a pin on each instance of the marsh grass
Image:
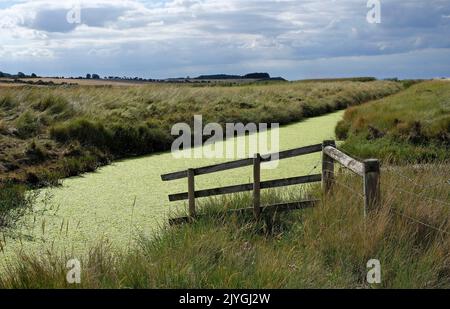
(327, 246)
(413, 125)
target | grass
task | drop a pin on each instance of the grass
(327, 246)
(108, 122)
(411, 126)
(119, 139)
(15, 201)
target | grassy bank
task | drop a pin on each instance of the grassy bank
(411, 126)
(327, 246)
(48, 133)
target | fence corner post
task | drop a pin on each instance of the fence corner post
(327, 167)
(371, 185)
(257, 185)
(191, 192)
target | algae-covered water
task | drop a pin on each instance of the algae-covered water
(128, 198)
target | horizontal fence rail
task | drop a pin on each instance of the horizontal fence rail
(347, 161)
(283, 207)
(244, 162)
(248, 187)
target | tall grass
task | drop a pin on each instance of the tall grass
(327, 246)
(118, 139)
(413, 125)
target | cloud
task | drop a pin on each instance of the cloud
(63, 20)
(144, 37)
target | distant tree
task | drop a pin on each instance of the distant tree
(218, 76)
(21, 75)
(33, 75)
(3, 74)
(257, 75)
(88, 76)
(95, 76)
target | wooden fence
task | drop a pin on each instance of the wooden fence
(368, 169)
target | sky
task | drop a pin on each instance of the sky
(295, 39)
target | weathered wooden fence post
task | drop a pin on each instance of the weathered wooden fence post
(257, 185)
(371, 185)
(327, 167)
(191, 192)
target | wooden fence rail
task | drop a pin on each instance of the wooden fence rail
(368, 169)
(247, 187)
(244, 162)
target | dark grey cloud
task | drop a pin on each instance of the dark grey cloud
(51, 21)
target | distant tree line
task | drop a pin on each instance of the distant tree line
(201, 78)
(18, 75)
(226, 76)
